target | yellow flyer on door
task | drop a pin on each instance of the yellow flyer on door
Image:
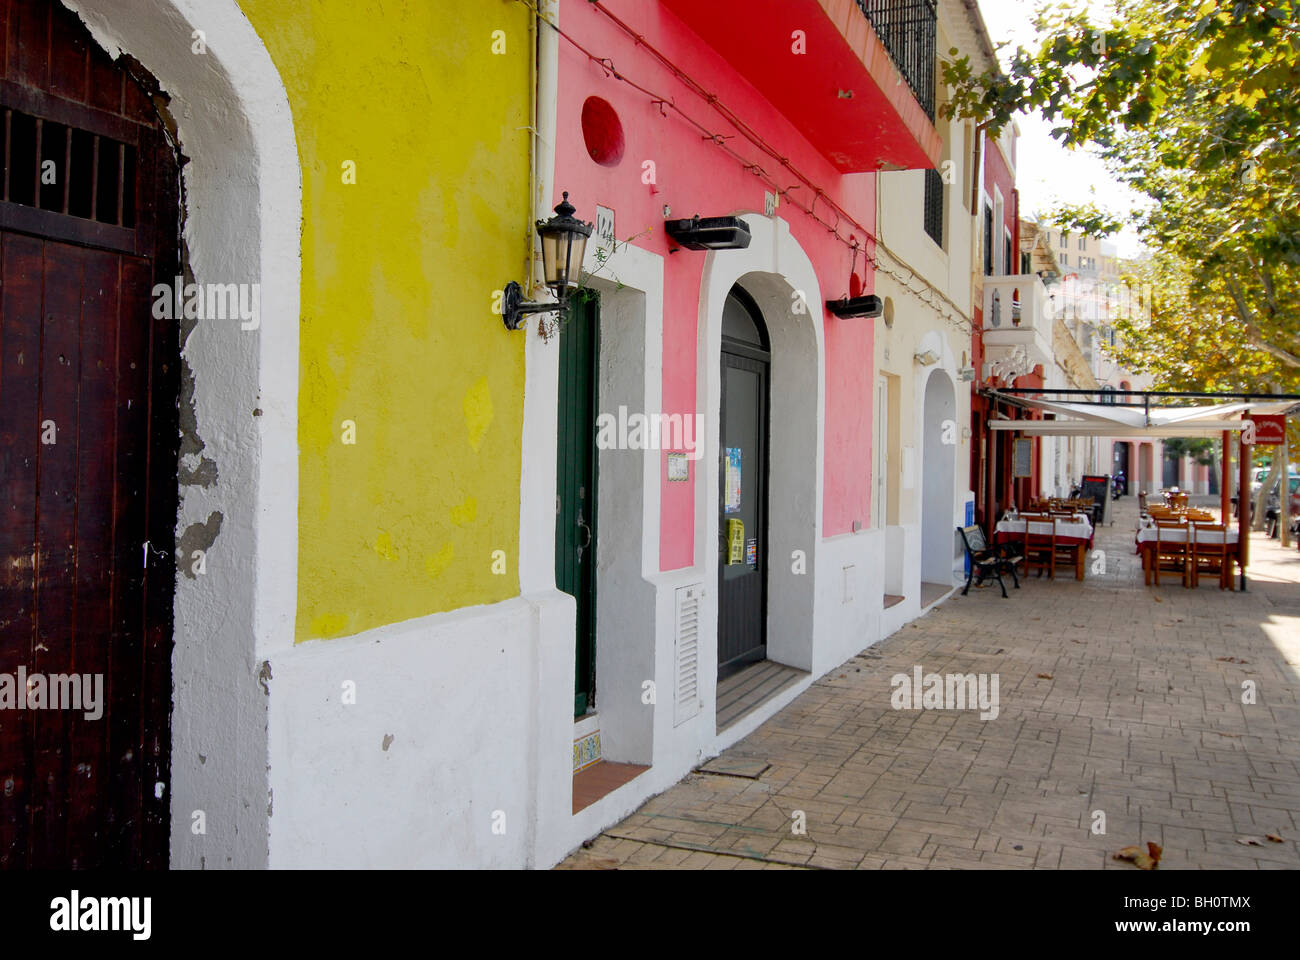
(735, 541)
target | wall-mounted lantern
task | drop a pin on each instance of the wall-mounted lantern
(709, 233)
(564, 242)
(868, 306)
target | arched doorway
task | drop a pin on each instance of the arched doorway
(229, 111)
(89, 381)
(743, 500)
(938, 466)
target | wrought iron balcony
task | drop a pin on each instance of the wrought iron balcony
(907, 29)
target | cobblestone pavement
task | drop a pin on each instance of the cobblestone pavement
(1114, 697)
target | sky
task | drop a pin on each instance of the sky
(1047, 173)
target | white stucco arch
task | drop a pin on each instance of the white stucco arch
(778, 274)
(938, 477)
(243, 217)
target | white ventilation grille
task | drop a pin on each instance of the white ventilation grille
(686, 698)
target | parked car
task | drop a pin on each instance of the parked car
(1261, 474)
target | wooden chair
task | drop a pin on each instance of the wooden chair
(1172, 555)
(1211, 557)
(1039, 549)
(1065, 553)
(986, 561)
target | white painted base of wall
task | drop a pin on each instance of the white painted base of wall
(458, 749)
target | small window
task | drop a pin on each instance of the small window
(1083, 243)
(1065, 259)
(933, 209)
(988, 240)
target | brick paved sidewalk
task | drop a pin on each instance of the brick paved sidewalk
(1114, 697)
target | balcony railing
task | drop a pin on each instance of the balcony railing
(907, 29)
(1017, 324)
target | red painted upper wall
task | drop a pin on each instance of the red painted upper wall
(693, 175)
(998, 173)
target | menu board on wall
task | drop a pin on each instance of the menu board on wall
(1024, 456)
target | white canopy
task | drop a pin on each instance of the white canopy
(1104, 420)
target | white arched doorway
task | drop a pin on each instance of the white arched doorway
(242, 209)
(938, 475)
(776, 274)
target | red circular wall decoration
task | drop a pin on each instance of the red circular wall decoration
(602, 131)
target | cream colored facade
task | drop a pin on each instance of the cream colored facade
(922, 346)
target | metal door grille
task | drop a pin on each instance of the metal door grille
(52, 166)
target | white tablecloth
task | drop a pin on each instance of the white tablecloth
(1079, 527)
(1148, 535)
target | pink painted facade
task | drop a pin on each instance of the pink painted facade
(667, 162)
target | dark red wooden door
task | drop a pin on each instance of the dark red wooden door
(88, 449)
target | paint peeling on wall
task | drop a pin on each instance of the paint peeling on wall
(197, 537)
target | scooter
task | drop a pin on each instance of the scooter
(1117, 486)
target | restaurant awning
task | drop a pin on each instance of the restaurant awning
(1157, 415)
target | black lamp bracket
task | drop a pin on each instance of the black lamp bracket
(514, 308)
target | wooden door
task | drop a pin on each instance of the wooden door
(575, 482)
(88, 452)
(742, 508)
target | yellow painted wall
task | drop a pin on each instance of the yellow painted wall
(397, 280)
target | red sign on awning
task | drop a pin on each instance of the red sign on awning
(1270, 429)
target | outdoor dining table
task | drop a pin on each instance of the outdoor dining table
(1146, 542)
(1072, 532)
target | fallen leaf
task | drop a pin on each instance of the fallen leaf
(1230, 660)
(1135, 856)
(1274, 837)
(1156, 598)
(1251, 841)
(1045, 676)
(1228, 734)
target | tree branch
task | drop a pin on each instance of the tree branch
(1253, 334)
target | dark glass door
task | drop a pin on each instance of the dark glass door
(742, 518)
(575, 506)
